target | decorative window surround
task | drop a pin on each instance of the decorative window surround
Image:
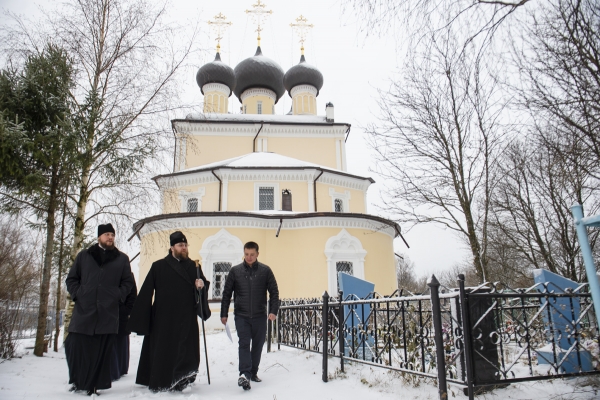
(184, 196)
(345, 197)
(221, 247)
(276, 194)
(258, 92)
(344, 247)
(310, 222)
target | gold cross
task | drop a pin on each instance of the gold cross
(219, 25)
(259, 15)
(301, 27)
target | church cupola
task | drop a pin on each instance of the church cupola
(259, 84)
(216, 81)
(303, 81)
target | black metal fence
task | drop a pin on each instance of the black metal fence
(471, 337)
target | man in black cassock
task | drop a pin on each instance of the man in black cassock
(98, 280)
(171, 350)
(119, 360)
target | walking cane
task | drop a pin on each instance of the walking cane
(202, 319)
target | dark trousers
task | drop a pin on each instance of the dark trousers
(250, 330)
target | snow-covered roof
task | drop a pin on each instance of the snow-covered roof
(214, 117)
(265, 160)
(257, 159)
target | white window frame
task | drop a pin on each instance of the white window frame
(184, 196)
(344, 247)
(345, 197)
(220, 247)
(276, 195)
(259, 107)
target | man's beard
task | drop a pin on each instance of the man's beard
(180, 255)
(106, 246)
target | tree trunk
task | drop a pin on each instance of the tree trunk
(60, 269)
(47, 269)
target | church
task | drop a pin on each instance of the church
(278, 180)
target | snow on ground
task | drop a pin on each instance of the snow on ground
(287, 374)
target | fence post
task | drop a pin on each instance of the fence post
(341, 333)
(325, 330)
(440, 352)
(466, 329)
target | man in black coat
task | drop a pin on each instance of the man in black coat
(171, 350)
(98, 280)
(250, 280)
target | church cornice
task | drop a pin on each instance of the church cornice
(249, 128)
(240, 219)
(301, 174)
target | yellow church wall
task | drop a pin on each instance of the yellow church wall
(250, 105)
(241, 194)
(320, 151)
(297, 256)
(210, 200)
(201, 150)
(325, 201)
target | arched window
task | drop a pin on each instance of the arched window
(220, 272)
(343, 266)
(344, 253)
(219, 253)
(192, 204)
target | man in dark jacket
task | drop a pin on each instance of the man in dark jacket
(250, 280)
(98, 280)
(171, 350)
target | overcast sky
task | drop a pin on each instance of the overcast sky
(353, 66)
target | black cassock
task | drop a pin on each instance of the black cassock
(171, 349)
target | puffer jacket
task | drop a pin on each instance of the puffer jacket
(97, 281)
(250, 285)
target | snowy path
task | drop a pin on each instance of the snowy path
(287, 374)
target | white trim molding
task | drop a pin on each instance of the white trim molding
(184, 196)
(258, 92)
(303, 89)
(310, 222)
(216, 87)
(220, 247)
(345, 197)
(344, 247)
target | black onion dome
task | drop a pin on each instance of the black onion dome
(216, 72)
(258, 72)
(303, 74)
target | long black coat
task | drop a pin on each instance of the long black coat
(171, 349)
(250, 285)
(97, 281)
(125, 310)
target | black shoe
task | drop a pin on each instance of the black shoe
(91, 392)
(255, 378)
(244, 382)
(73, 388)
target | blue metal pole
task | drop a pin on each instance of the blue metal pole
(586, 252)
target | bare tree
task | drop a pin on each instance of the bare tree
(559, 61)
(438, 140)
(19, 277)
(532, 205)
